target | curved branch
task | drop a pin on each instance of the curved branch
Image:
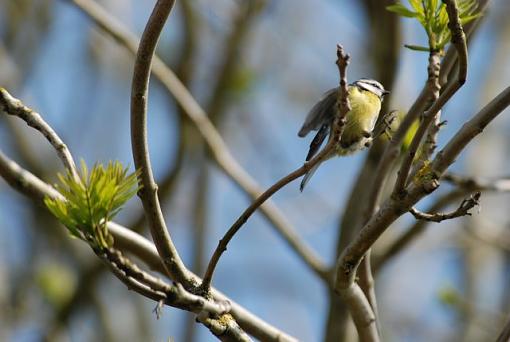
(215, 143)
(139, 96)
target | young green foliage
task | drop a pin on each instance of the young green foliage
(433, 17)
(93, 201)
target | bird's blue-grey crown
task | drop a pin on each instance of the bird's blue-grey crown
(372, 86)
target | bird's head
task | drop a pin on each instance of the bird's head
(372, 86)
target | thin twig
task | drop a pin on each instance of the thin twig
(12, 106)
(215, 143)
(463, 210)
(139, 96)
(125, 239)
(338, 126)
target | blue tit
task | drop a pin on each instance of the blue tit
(365, 97)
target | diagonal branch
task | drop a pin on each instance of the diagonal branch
(463, 210)
(338, 127)
(213, 139)
(12, 106)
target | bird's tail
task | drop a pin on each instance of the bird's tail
(308, 175)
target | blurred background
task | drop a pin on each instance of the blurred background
(256, 67)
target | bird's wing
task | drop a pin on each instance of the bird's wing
(317, 141)
(322, 113)
(307, 176)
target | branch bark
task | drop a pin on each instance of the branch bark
(463, 210)
(12, 106)
(139, 96)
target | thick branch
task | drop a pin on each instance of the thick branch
(463, 210)
(465, 184)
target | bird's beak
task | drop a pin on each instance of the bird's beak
(386, 92)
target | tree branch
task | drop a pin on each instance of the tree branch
(401, 202)
(215, 143)
(463, 210)
(338, 127)
(12, 106)
(139, 96)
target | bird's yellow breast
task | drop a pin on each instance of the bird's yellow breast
(365, 107)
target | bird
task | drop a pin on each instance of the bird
(365, 97)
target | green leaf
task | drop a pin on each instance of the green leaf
(92, 201)
(469, 18)
(417, 6)
(417, 47)
(401, 10)
(432, 15)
